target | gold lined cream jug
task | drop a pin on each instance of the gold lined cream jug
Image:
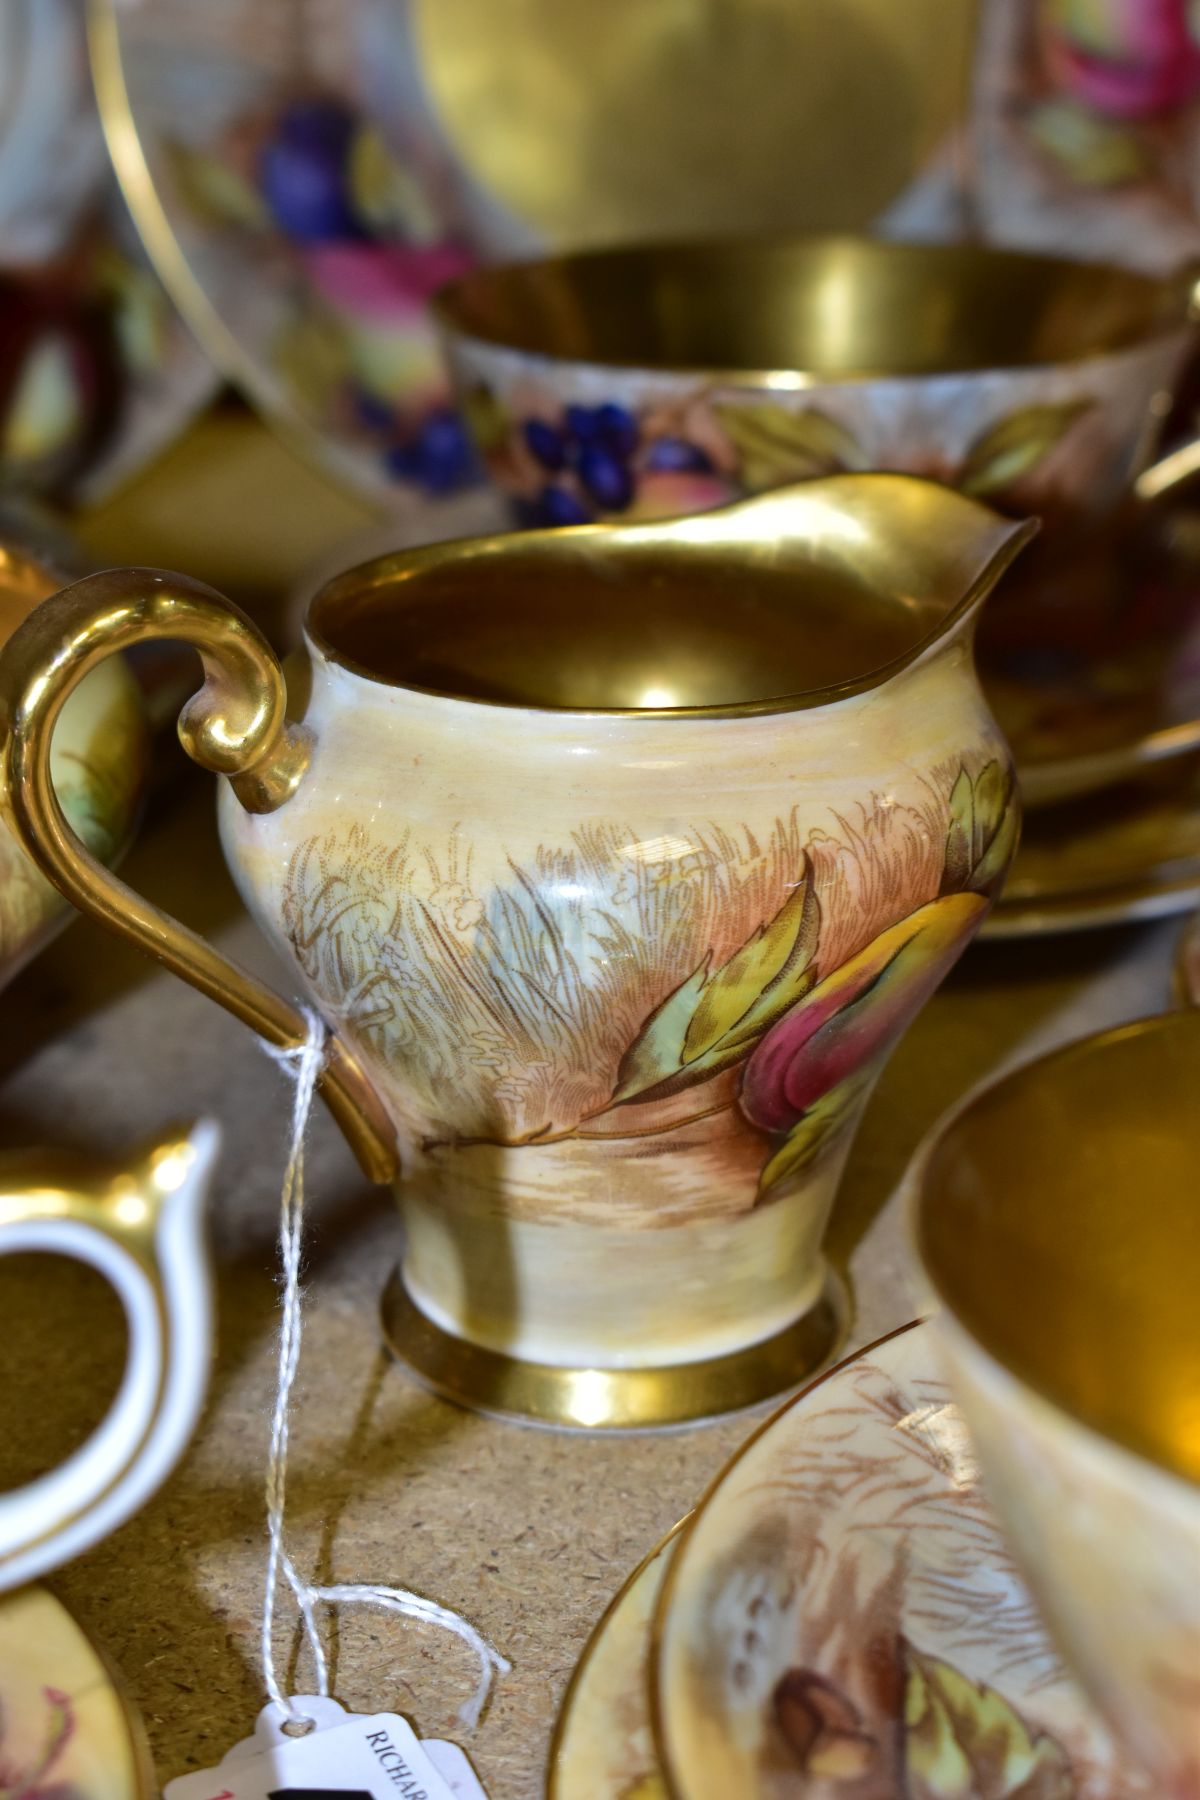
(615, 859)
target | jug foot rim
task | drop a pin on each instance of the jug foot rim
(633, 1399)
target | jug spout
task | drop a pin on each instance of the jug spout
(936, 551)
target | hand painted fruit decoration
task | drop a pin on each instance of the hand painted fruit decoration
(1129, 59)
(367, 237)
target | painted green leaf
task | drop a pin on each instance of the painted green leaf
(822, 1727)
(816, 1132)
(1094, 151)
(991, 798)
(729, 996)
(776, 444)
(1015, 445)
(213, 191)
(960, 835)
(964, 1741)
(983, 829)
(645, 1787)
(999, 853)
(657, 1051)
(387, 194)
(711, 1020)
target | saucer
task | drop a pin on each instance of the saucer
(1131, 852)
(842, 1617)
(66, 1733)
(603, 1745)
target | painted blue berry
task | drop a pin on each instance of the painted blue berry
(606, 478)
(546, 443)
(616, 428)
(302, 173)
(673, 455)
(558, 506)
(581, 424)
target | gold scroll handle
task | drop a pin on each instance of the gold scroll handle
(234, 725)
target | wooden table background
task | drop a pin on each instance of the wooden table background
(529, 1532)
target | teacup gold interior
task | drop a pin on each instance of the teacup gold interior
(822, 306)
(1059, 1220)
(784, 600)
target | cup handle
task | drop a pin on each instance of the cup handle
(142, 1230)
(235, 725)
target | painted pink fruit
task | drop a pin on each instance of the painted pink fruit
(1130, 59)
(670, 493)
(381, 283)
(857, 1012)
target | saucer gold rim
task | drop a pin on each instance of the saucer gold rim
(634, 1399)
(910, 1349)
(586, 1655)
(1072, 777)
(687, 1526)
(1050, 913)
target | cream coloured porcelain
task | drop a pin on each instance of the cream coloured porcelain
(141, 1227)
(1057, 1222)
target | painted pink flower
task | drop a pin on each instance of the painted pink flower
(1130, 59)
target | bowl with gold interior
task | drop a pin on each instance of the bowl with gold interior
(1056, 1224)
(644, 382)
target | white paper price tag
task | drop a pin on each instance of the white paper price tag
(349, 1756)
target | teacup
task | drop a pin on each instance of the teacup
(642, 383)
(141, 1226)
(1057, 1221)
(98, 765)
(616, 860)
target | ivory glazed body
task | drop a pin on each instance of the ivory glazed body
(624, 981)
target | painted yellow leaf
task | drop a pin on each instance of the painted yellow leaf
(385, 193)
(817, 1131)
(1015, 445)
(711, 1020)
(964, 1741)
(645, 1787)
(785, 944)
(486, 418)
(776, 444)
(310, 355)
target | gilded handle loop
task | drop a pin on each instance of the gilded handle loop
(235, 725)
